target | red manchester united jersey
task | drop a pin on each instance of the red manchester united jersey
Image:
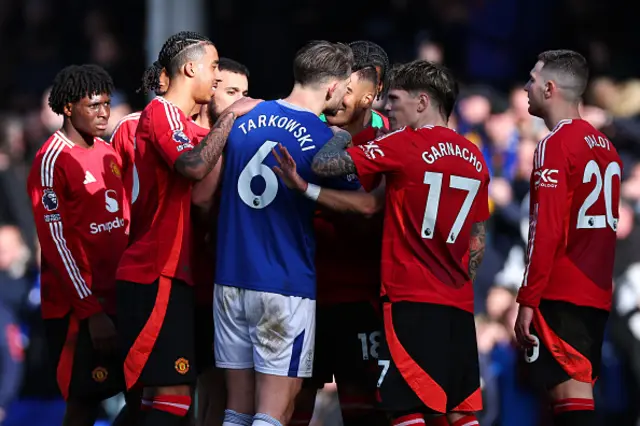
(122, 139)
(81, 215)
(353, 242)
(436, 188)
(575, 192)
(160, 240)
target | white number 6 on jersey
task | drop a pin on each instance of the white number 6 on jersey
(255, 168)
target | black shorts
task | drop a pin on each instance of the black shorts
(81, 371)
(570, 343)
(348, 337)
(429, 363)
(157, 323)
(204, 337)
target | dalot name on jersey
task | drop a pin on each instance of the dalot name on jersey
(97, 228)
(448, 148)
(299, 132)
(598, 142)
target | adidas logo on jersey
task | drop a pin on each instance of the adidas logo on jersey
(88, 178)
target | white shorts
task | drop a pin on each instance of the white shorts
(271, 333)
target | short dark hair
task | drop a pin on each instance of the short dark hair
(318, 61)
(570, 68)
(235, 67)
(434, 79)
(367, 56)
(75, 82)
(179, 49)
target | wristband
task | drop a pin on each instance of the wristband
(312, 192)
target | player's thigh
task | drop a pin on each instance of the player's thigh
(83, 373)
(570, 344)
(358, 336)
(232, 344)
(169, 330)
(282, 330)
(463, 390)
(414, 360)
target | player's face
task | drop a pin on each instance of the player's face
(535, 89)
(206, 75)
(164, 83)
(401, 108)
(90, 115)
(231, 87)
(359, 96)
(336, 93)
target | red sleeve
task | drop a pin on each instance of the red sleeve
(377, 157)
(172, 133)
(482, 210)
(62, 250)
(122, 142)
(549, 192)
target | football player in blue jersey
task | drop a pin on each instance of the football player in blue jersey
(264, 296)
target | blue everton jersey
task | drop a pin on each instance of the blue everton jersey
(265, 230)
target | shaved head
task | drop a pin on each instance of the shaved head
(567, 69)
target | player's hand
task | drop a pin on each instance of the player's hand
(103, 333)
(286, 169)
(523, 328)
(242, 106)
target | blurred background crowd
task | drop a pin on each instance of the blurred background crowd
(490, 44)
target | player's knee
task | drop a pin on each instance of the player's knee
(571, 389)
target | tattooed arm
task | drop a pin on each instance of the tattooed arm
(333, 159)
(198, 162)
(476, 247)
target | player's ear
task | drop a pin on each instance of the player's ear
(190, 69)
(367, 100)
(67, 109)
(423, 102)
(550, 87)
(331, 89)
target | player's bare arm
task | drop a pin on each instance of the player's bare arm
(333, 159)
(366, 203)
(476, 247)
(198, 162)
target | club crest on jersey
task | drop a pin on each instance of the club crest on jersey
(49, 199)
(115, 169)
(99, 374)
(372, 151)
(180, 138)
(182, 366)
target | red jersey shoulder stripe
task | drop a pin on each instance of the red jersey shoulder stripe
(538, 160)
(130, 117)
(173, 114)
(56, 146)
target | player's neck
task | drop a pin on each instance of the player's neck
(310, 99)
(83, 141)
(180, 97)
(435, 120)
(360, 122)
(561, 112)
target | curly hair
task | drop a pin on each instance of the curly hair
(76, 82)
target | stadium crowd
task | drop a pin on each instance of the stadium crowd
(498, 121)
